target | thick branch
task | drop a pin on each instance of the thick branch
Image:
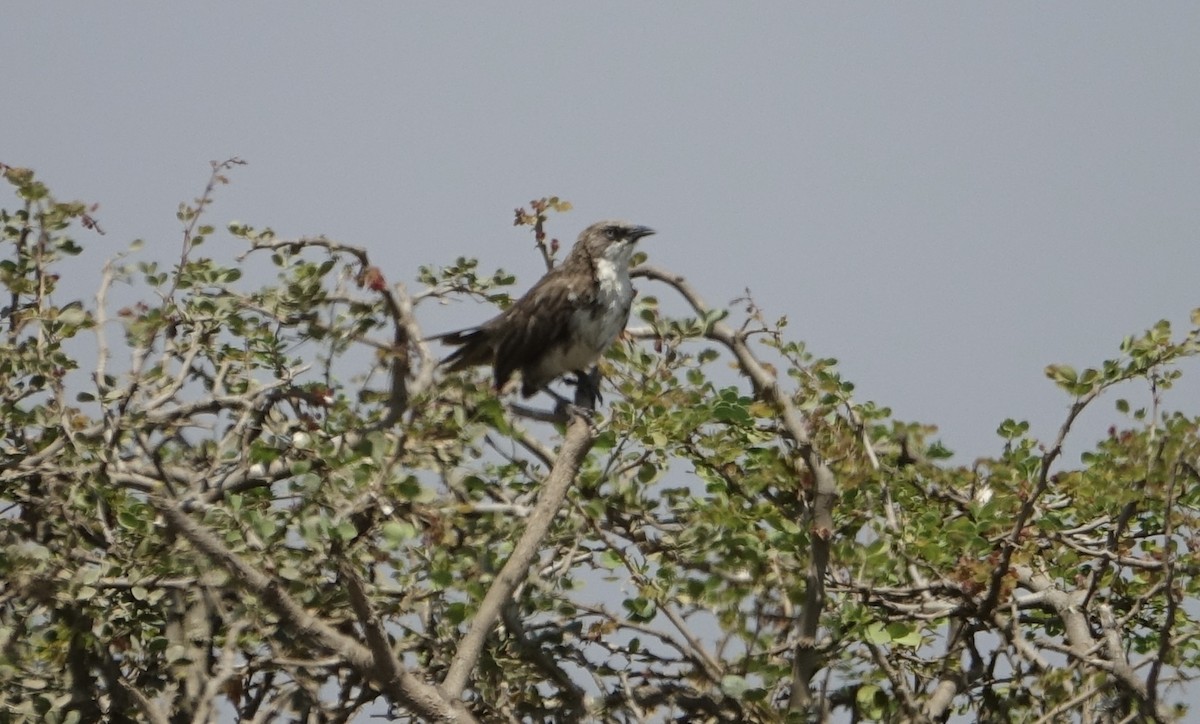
(1082, 645)
(804, 664)
(402, 686)
(377, 638)
(578, 441)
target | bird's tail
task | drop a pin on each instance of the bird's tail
(474, 348)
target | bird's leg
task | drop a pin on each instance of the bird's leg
(564, 409)
(593, 385)
(587, 393)
(560, 402)
(587, 388)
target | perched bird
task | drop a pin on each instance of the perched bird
(565, 323)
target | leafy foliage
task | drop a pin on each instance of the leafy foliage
(266, 500)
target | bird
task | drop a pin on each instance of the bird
(564, 323)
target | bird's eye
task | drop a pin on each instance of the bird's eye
(611, 233)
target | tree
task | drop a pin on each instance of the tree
(266, 501)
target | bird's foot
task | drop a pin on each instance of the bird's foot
(587, 392)
(565, 409)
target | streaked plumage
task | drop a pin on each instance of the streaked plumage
(565, 322)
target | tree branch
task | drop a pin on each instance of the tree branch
(403, 688)
(824, 490)
(579, 439)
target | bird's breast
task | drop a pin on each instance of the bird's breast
(596, 319)
(609, 313)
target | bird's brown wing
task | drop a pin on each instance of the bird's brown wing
(537, 322)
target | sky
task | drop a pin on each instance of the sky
(946, 197)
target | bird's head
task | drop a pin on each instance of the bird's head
(611, 240)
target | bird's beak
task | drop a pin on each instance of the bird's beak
(638, 232)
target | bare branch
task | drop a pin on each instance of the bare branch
(405, 688)
(578, 441)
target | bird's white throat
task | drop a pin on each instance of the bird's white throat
(612, 276)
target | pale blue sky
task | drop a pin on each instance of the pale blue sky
(945, 196)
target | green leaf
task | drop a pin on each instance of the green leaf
(345, 531)
(903, 634)
(456, 613)
(640, 609)
(72, 315)
(1062, 375)
(734, 686)
(264, 526)
(130, 520)
(611, 560)
(398, 532)
(647, 473)
(872, 701)
(877, 633)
